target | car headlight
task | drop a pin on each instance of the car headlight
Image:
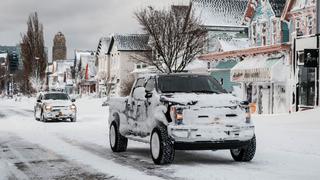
(48, 107)
(73, 107)
(176, 114)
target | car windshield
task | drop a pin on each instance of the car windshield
(189, 84)
(56, 96)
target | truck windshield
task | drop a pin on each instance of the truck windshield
(56, 96)
(189, 84)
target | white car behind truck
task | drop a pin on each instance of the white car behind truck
(51, 106)
(181, 112)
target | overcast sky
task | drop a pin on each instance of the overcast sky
(83, 22)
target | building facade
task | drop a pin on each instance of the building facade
(124, 51)
(120, 58)
(61, 76)
(225, 32)
(85, 71)
(15, 58)
(263, 69)
(4, 73)
(301, 17)
(103, 65)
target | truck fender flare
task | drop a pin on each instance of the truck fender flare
(116, 118)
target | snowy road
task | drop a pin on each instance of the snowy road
(288, 148)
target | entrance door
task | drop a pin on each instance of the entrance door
(306, 88)
(264, 98)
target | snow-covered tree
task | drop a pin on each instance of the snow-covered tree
(33, 53)
(36, 83)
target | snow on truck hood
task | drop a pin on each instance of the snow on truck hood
(58, 102)
(215, 100)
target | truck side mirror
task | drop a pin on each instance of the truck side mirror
(139, 93)
(244, 103)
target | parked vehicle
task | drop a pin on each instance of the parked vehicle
(55, 106)
(181, 112)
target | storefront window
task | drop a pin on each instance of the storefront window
(301, 58)
(298, 27)
(274, 32)
(306, 86)
(310, 24)
(264, 34)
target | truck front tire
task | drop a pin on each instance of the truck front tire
(118, 143)
(161, 146)
(246, 153)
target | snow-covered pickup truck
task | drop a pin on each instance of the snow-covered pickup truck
(55, 106)
(181, 112)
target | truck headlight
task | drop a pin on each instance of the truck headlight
(176, 115)
(244, 105)
(73, 107)
(48, 107)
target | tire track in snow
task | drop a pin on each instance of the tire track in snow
(15, 112)
(24, 160)
(126, 159)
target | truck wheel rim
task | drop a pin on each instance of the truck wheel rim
(112, 135)
(155, 145)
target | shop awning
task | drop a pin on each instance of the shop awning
(253, 51)
(260, 68)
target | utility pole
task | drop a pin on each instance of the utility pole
(318, 16)
(318, 33)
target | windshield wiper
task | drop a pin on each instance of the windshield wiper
(206, 91)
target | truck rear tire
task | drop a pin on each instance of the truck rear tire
(43, 119)
(246, 153)
(74, 119)
(118, 143)
(161, 146)
(35, 116)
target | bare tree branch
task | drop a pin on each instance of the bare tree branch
(175, 37)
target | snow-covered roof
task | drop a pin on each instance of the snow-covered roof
(197, 66)
(81, 53)
(301, 4)
(277, 6)
(220, 12)
(131, 42)
(234, 44)
(103, 46)
(63, 65)
(3, 55)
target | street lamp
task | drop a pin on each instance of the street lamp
(318, 16)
